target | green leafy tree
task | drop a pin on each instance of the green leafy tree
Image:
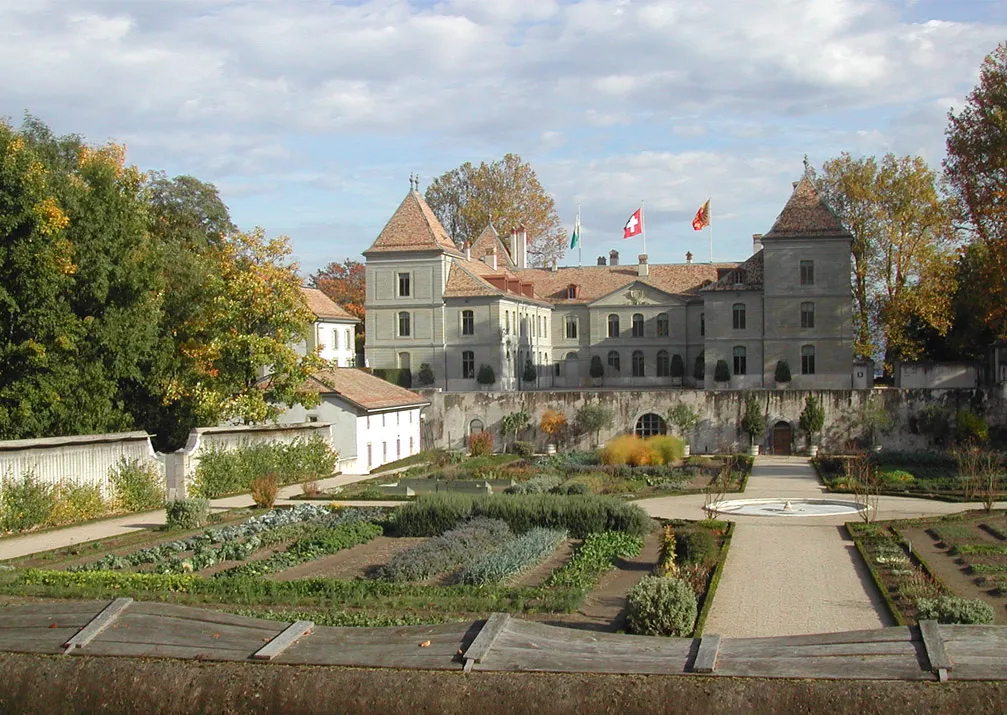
(903, 245)
(514, 423)
(684, 418)
(506, 193)
(976, 171)
(753, 421)
(592, 419)
(812, 418)
(345, 284)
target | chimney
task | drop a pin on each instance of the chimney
(756, 243)
(468, 251)
(601, 260)
(554, 268)
(688, 257)
(643, 269)
(613, 257)
(519, 247)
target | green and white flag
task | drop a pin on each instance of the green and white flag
(575, 236)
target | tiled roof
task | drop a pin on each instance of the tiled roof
(475, 278)
(462, 283)
(362, 389)
(684, 279)
(487, 241)
(413, 227)
(750, 273)
(806, 215)
(323, 306)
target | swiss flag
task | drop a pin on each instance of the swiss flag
(634, 226)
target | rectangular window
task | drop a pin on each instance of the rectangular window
(663, 325)
(368, 421)
(411, 446)
(807, 273)
(370, 456)
(808, 360)
(383, 420)
(702, 323)
(555, 369)
(807, 315)
(468, 322)
(468, 364)
(637, 325)
(404, 285)
(384, 452)
(738, 312)
(335, 339)
(398, 415)
(398, 448)
(404, 325)
(740, 361)
(571, 327)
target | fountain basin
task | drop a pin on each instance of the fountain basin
(786, 507)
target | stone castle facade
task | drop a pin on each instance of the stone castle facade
(643, 326)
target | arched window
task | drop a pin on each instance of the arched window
(740, 360)
(476, 426)
(649, 425)
(638, 364)
(613, 363)
(468, 322)
(663, 326)
(807, 359)
(571, 356)
(637, 325)
(404, 324)
(613, 326)
(807, 315)
(663, 364)
(468, 364)
(738, 312)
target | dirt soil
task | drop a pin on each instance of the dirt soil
(56, 684)
(358, 561)
(536, 575)
(953, 571)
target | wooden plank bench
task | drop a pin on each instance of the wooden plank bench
(100, 622)
(481, 645)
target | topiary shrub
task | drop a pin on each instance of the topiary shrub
(721, 373)
(486, 376)
(699, 369)
(695, 547)
(677, 366)
(782, 371)
(951, 609)
(426, 375)
(659, 606)
(597, 370)
(187, 513)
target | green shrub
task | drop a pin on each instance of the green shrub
(535, 485)
(138, 485)
(430, 515)
(452, 549)
(486, 376)
(513, 557)
(695, 546)
(222, 471)
(426, 375)
(782, 373)
(970, 428)
(659, 606)
(187, 513)
(721, 372)
(77, 502)
(595, 556)
(523, 449)
(895, 477)
(951, 609)
(480, 444)
(25, 503)
(402, 377)
(665, 449)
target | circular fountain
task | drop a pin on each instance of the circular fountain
(786, 507)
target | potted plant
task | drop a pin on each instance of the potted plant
(486, 377)
(552, 423)
(782, 374)
(592, 419)
(677, 370)
(597, 370)
(812, 420)
(685, 419)
(753, 422)
(699, 370)
(721, 375)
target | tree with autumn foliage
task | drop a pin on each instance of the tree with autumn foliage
(976, 171)
(903, 250)
(506, 193)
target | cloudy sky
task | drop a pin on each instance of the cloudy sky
(310, 115)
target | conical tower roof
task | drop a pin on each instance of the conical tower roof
(413, 227)
(806, 215)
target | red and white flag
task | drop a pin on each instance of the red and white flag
(702, 219)
(633, 227)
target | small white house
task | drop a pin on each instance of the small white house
(333, 329)
(373, 421)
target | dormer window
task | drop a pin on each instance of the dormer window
(739, 277)
(572, 291)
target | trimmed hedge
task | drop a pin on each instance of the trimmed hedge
(513, 557)
(433, 514)
(660, 606)
(447, 552)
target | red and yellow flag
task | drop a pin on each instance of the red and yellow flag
(702, 219)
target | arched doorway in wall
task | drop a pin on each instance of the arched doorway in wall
(650, 424)
(783, 438)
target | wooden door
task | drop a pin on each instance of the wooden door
(783, 437)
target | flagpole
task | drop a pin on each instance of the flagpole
(580, 240)
(643, 228)
(710, 226)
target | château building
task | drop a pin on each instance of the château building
(640, 326)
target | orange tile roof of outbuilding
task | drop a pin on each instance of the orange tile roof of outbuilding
(324, 307)
(362, 389)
